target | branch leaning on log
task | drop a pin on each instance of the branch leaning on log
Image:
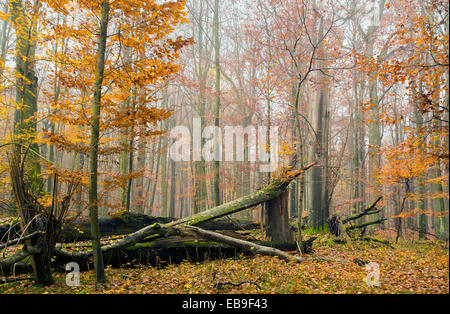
(246, 245)
(21, 239)
(368, 211)
(337, 226)
(273, 190)
(17, 257)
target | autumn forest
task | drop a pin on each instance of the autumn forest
(224, 147)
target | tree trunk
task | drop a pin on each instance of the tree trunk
(164, 172)
(216, 187)
(93, 160)
(278, 219)
(25, 126)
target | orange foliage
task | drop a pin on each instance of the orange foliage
(141, 55)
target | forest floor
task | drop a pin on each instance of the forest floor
(407, 267)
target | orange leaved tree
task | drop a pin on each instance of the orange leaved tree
(418, 64)
(118, 55)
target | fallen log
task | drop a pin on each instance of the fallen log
(155, 229)
(158, 253)
(158, 230)
(121, 224)
(125, 223)
(246, 245)
(161, 252)
(273, 190)
(17, 257)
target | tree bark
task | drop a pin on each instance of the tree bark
(278, 219)
(217, 149)
(93, 160)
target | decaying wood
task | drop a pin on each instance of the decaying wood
(338, 225)
(157, 230)
(20, 239)
(368, 211)
(17, 257)
(274, 189)
(123, 224)
(246, 245)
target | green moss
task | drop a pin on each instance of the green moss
(320, 230)
(330, 242)
(142, 245)
(159, 244)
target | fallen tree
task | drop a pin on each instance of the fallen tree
(158, 230)
(17, 257)
(271, 191)
(185, 246)
(122, 224)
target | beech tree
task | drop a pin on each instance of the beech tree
(90, 75)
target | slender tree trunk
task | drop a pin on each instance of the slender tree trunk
(421, 203)
(300, 184)
(155, 183)
(199, 200)
(318, 185)
(173, 183)
(374, 127)
(139, 187)
(164, 172)
(93, 159)
(216, 184)
(4, 39)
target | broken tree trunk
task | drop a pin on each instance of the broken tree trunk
(271, 191)
(338, 226)
(278, 229)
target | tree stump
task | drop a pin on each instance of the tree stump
(278, 229)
